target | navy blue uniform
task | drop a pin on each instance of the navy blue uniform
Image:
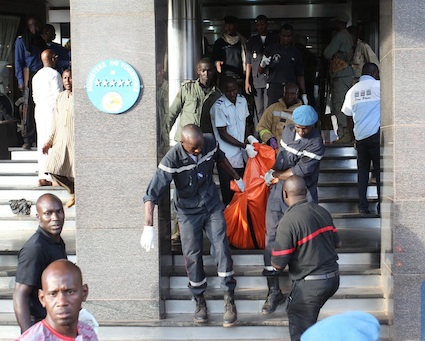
(286, 66)
(198, 207)
(254, 52)
(31, 60)
(303, 157)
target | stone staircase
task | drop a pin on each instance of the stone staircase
(360, 287)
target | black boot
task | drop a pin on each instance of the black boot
(274, 296)
(230, 313)
(201, 315)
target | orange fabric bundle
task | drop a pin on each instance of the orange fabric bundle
(246, 214)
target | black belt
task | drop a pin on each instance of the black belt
(324, 276)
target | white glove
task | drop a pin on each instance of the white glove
(147, 239)
(251, 139)
(265, 61)
(305, 99)
(251, 151)
(268, 177)
(240, 184)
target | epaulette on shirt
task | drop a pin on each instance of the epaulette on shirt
(219, 101)
(187, 81)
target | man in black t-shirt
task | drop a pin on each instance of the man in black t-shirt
(306, 240)
(44, 247)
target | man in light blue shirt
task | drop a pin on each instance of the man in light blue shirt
(363, 104)
(228, 118)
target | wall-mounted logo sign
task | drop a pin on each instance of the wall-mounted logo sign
(113, 86)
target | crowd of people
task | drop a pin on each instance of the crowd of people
(217, 126)
(42, 69)
(268, 69)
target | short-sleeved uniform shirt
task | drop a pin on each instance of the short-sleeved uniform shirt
(363, 103)
(36, 254)
(232, 116)
(286, 64)
(306, 240)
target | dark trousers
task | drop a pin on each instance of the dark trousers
(225, 178)
(30, 130)
(65, 182)
(305, 301)
(368, 150)
(191, 234)
(274, 92)
(261, 100)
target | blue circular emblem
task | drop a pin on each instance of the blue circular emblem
(113, 86)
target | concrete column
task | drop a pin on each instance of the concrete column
(184, 41)
(402, 130)
(116, 155)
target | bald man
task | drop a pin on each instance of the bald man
(44, 247)
(61, 295)
(306, 240)
(46, 86)
(198, 208)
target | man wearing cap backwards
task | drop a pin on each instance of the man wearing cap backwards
(255, 82)
(339, 52)
(305, 241)
(229, 51)
(300, 154)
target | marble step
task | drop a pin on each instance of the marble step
(254, 327)
(17, 153)
(31, 193)
(255, 257)
(337, 152)
(11, 241)
(22, 180)
(18, 166)
(22, 154)
(251, 301)
(6, 211)
(250, 278)
(343, 191)
(348, 206)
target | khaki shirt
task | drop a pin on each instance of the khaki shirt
(188, 104)
(276, 117)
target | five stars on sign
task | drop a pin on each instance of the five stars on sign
(113, 83)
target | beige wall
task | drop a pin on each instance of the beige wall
(115, 158)
(403, 123)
